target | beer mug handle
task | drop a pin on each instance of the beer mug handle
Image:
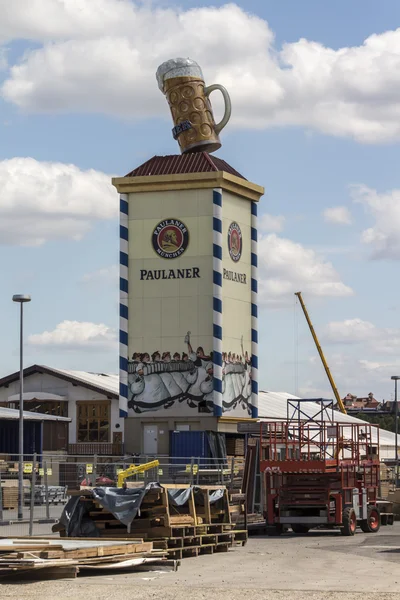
(228, 107)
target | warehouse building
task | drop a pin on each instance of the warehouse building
(88, 401)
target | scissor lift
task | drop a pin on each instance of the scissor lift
(319, 472)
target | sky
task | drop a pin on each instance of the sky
(315, 90)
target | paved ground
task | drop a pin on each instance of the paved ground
(10, 526)
(317, 566)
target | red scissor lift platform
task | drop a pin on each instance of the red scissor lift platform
(319, 472)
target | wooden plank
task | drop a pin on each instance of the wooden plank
(100, 551)
(192, 507)
(165, 503)
(182, 520)
(184, 486)
(23, 547)
(207, 507)
(154, 511)
(67, 572)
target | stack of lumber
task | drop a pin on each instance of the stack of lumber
(9, 489)
(10, 496)
(54, 558)
(237, 508)
(196, 527)
(387, 481)
(236, 468)
(235, 446)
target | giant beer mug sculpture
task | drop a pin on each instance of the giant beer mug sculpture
(182, 82)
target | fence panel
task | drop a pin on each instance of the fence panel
(48, 479)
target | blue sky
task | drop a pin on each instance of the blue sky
(315, 121)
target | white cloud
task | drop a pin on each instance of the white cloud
(350, 331)
(352, 374)
(380, 340)
(271, 223)
(286, 267)
(75, 335)
(101, 57)
(42, 201)
(60, 19)
(105, 275)
(383, 237)
(339, 215)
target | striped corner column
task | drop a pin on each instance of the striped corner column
(254, 313)
(217, 300)
(123, 306)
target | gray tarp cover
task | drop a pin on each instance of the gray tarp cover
(124, 504)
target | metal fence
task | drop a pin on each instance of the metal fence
(48, 480)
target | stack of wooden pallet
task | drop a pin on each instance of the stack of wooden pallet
(10, 494)
(9, 489)
(199, 525)
(235, 446)
(387, 481)
(236, 468)
(45, 557)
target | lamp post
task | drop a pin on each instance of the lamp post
(21, 298)
(396, 413)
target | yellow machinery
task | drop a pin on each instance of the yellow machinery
(321, 354)
(134, 470)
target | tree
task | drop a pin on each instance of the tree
(387, 422)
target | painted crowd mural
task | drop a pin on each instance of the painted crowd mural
(164, 380)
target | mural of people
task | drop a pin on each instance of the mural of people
(160, 381)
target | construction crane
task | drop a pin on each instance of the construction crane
(134, 470)
(321, 354)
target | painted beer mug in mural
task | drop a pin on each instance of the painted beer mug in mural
(182, 82)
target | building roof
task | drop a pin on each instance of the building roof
(13, 414)
(272, 406)
(30, 396)
(102, 383)
(192, 162)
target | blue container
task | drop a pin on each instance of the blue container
(187, 445)
(9, 437)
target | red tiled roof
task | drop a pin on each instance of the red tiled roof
(192, 162)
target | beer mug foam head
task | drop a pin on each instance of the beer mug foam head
(177, 67)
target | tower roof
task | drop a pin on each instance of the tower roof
(174, 164)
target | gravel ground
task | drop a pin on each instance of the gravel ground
(317, 566)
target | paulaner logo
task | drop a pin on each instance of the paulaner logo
(234, 242)
(170, 238)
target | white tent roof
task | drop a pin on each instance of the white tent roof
(11, 413)
(108, 382)
(272, 406)
(35, 396)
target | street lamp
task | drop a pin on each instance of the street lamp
(21, 298)
(396, 413)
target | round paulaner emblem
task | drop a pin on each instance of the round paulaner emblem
(235, 242)
(170, 238)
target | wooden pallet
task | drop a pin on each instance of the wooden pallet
(197, 527)
(157, 511)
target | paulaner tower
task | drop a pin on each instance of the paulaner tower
(188, 279)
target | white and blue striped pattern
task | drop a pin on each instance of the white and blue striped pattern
(123, 306)
(217, 300)
(254, 313)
